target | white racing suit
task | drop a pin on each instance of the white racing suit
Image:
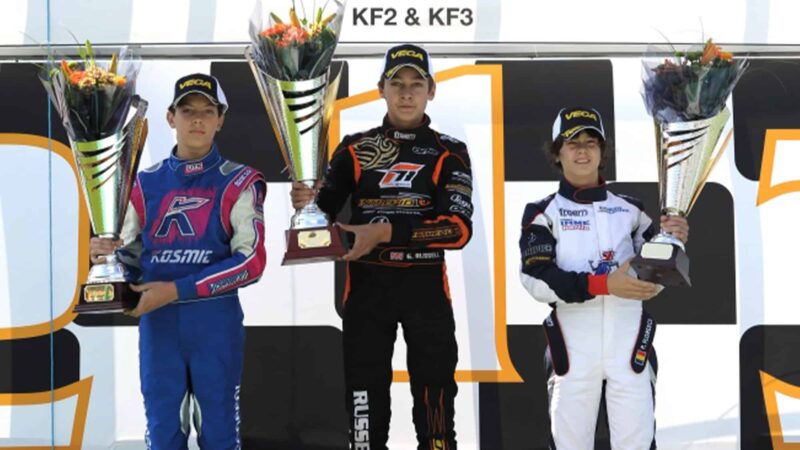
(569, 244)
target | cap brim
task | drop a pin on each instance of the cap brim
(389, 74)
(575, 131)
(210, 98)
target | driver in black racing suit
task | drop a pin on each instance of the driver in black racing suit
(410, 193)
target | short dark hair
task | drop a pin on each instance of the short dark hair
(382, 82)
(553, 148)
(220, 108)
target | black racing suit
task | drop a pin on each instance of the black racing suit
(420, 181)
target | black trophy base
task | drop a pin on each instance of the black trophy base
(106, 298)
(314, 245)
(664, 264)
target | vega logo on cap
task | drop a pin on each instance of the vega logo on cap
(581, 113)
(196, 82)
(411, 53)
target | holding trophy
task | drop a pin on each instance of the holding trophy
(686, 96)
(291, 63)
(105, 123)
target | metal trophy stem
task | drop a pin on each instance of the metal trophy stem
(300, 113)
(107, 169)
(687, 151)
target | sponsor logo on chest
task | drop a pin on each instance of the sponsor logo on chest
(181, 256)
(191, 168)
(612, 209)
(575, 225)
(400, 175)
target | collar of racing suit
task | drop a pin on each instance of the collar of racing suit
(423, 131)
(583, 195)
(192, 167)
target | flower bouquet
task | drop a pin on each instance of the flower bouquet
(690, 85)
(299, 48)
(105, 123)
(92, 100)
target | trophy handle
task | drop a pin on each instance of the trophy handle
(710, 167)
(248, 53)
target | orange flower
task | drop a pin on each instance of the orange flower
(65, 68)
(294, 35)
(277, 29)
(76, 77)
(711, 52)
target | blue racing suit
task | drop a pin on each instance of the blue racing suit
(200, 224)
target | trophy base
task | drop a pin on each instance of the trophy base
(314, 245)
(661, 263)
(106, 298)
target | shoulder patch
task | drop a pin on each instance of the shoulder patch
(535, 208)
(154, 167)
(632, 200)
(228, 167)
(451, 139)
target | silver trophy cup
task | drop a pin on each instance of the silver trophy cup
(107, 169)
(300, 113)
(687, 151)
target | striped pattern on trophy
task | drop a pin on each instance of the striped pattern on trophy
(687, 151)
(300, 113)
(107, 169)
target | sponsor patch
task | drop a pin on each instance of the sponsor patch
(409, 53)
(447, 137)
(641, 357)
(196, 82)
(228, 282)
(581, 113)
(605, 264)
(537, 259)
(394, 202)
(191, 168)
(573, 212)
(462, 177)
(176, 216)
(460, 188)
(242, 177)
(538, 249)
(572, 224)
(460, 201)
(612, 210)
(400, 175)
(404, 136)
(181, 256)
(436, 233)
(425, 151)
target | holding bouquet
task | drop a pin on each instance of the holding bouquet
(105, 122)
(686, 96)
(691, 85)
(93, 101)
(291, 63)
(299, 48)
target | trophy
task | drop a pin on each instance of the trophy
(291, 63)
(687, 151)
(104, 120)
(686, 95)
(107, 169)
